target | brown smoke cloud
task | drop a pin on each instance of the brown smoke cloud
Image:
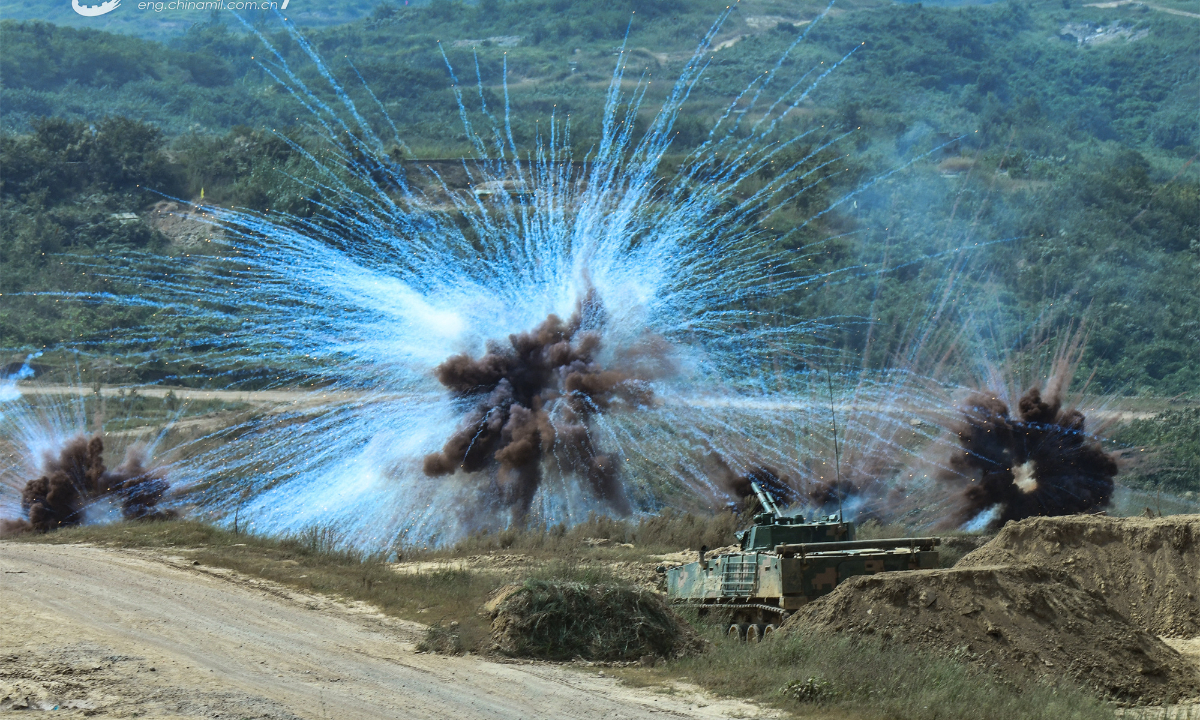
(534, 397)
(1038, 463)
(78, 477)
(736, 484)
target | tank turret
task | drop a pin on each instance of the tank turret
(771, 527)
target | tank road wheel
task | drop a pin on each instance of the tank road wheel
(734, 631)
(756, 632)
(768, 632)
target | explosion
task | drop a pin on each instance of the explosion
(1040, 463)
(77, 478)
(532, 398)
(369, 302)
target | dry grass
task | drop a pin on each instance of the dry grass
(841, 677)
(668, 532)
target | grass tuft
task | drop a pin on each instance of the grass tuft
(442, 639)
(869, 679)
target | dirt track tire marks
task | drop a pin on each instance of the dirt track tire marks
(107, 632)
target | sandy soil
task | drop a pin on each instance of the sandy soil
(267, 397)
(1018, 620)
(100, 632)
(1147, 569)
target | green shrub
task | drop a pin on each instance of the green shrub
(1172, 443)
(564, 620)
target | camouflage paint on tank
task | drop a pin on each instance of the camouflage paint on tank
(786, 562)
(785, 530)
(784, 582)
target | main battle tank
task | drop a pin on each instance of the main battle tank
(785, 563)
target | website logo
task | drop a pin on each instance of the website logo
(95, 10)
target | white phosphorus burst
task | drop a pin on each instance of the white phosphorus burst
(37, 421)
(385, 280)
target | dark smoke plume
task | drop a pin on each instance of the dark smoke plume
(534, 397)
(828, 493)
(1039, 463)
(736, 484)
(77, 478)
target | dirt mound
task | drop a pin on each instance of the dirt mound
(186, 228)
(1011, 620)
(1148, 569)
(565, 620)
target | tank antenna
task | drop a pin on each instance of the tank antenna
(837, 462)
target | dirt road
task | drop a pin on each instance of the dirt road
(1159, 8)
(1138, 409)
(264, 397)
(100, 632)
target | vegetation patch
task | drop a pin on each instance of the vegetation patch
(1170, 444)
(1075, 159)
(441, 639)
(669, 531)
(566, 620)
(815, 690)
(867, 678)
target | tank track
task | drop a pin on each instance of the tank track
(759, 606)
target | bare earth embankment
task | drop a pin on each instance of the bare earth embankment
(1108, 603)
(104, 632)
(1146, 569)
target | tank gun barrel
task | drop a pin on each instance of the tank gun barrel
(921, 543)
(765, 498)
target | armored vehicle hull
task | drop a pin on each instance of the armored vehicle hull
(786, 563)
(761, 588)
